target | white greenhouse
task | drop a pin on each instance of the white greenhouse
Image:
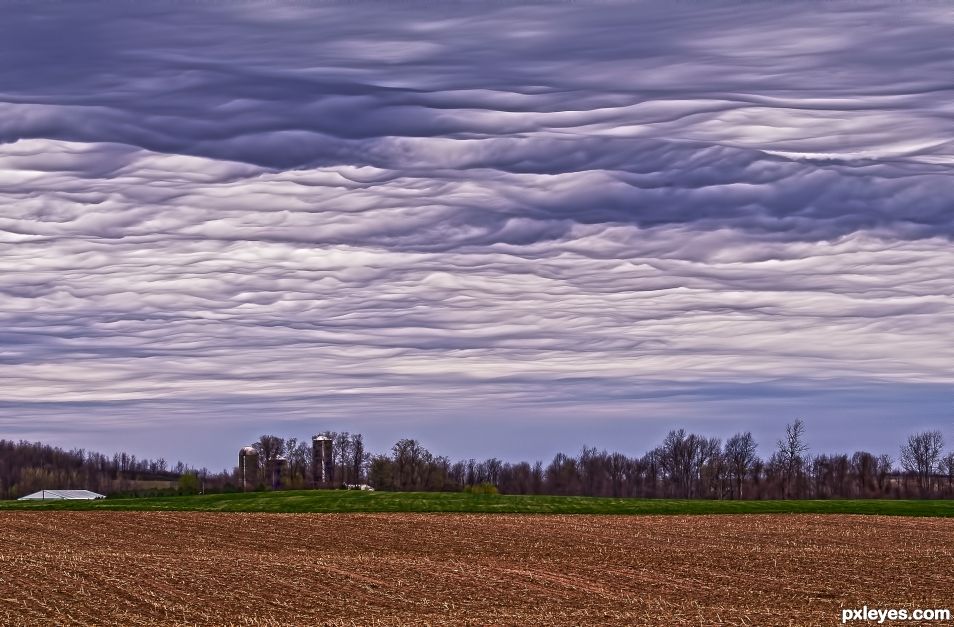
(59, 495)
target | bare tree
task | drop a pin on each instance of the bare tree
(617, 466)
(493, 466)
(299, 461)
(682, 456)
(841, 475)
(437, 472)
(864, 465)
(740, 454)
(947, 467)
(883, 472)
(357, 457)
(269, 448)
(381, 473)
(710, 468)
(342, 454)
(590, 467)
(537, 478)
(920, 456)
(410, 459)
(791, 450)
(563, 475)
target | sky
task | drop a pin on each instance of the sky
(505, 230)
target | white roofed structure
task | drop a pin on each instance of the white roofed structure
(59, 495)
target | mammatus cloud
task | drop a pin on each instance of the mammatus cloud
(338, 207)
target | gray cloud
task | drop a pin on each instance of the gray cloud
(448, 206)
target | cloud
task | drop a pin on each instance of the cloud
(445, 205)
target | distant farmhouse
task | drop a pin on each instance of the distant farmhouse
(61, 495)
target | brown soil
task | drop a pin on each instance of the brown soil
(119, 568)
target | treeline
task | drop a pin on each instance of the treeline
(26, 467)
(684, 465)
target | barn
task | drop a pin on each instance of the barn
(59, 495)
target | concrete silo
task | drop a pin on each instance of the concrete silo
(248, 467)
(322, 462)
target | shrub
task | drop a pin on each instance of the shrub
(189, 483)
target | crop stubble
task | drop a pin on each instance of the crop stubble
(159, 568)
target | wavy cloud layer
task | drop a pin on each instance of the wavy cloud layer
(451, 213)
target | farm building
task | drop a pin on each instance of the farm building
(57, 495)
(322, 460)
(248, 467)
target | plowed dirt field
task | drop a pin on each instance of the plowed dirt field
(119, 568)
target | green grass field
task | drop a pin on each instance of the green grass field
(354, 501)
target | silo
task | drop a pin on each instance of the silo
(278, 464)
(248, 467)
(322, 462)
